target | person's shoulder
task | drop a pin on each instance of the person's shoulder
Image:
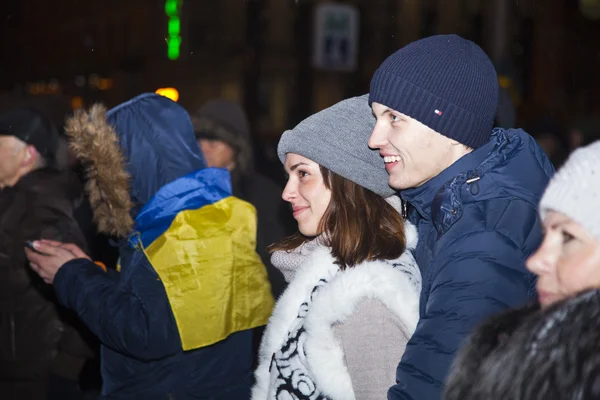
(380, 287)
(378, 279)
(486, 345)
(50, 198)
(49, 184)
(520, 166)
(369, 311)
(514, 344)
(497, 214)
(518, 143)
(373, 320)
(503, 228)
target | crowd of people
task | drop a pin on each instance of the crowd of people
(434, 254)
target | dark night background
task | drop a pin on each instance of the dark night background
(59, 55)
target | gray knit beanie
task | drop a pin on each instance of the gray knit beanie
(575, 189)
(336, 138)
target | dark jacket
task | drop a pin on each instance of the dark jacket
(532, 354)
(142, 355)
(130, 311)
(226, 121)
(37, 337)
(274, 218)
(477, 223)
(99, 245)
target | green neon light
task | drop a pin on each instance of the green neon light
(172, 10)
(174, 27)
(171, 7)
(173, 50)
(173, 53)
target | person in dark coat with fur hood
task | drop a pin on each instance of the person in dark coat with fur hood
(42, 346)
(176, 318)
(549, 350)
(223, 132)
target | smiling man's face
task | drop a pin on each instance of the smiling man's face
(413, 152)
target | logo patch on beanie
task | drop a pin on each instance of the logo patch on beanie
(438, 112)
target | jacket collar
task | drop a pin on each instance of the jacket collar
(427, 199)
(191, 192)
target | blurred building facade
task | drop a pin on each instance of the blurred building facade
(72, 53)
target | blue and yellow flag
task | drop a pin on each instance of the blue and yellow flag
(202, 243)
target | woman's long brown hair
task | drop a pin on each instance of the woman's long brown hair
(359, 225)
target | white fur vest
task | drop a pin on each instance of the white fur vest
(395, 283)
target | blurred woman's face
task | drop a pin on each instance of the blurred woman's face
(306, 192)
(217, 154)
(568, 260)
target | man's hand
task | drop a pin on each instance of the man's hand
(56, 254)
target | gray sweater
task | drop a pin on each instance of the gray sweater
(373, 340)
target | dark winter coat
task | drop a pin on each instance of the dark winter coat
(477, 224)
(528, 354)
(37, 337)
(274, 218)
(142, 351)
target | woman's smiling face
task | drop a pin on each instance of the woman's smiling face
(306, 192)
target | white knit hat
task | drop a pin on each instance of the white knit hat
(575, 189)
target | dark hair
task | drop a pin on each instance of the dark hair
(359, 225)
(528, 354)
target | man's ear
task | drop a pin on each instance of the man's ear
(31, 155)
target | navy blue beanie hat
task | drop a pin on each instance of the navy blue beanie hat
(446, 82)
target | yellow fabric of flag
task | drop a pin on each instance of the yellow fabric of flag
(214, 279)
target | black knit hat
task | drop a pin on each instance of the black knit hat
(446, 82)
(33, 128)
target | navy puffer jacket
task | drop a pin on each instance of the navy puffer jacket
(477, 223)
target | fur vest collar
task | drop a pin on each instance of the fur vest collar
(395, 283)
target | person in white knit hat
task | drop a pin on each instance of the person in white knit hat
(568, 260)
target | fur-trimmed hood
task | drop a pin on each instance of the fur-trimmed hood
(130, 152)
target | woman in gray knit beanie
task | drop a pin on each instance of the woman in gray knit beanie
(341, 326)
(568, 260)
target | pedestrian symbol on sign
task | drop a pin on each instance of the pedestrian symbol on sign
(336, 37)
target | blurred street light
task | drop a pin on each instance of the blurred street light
(170, 93)
(76, 102)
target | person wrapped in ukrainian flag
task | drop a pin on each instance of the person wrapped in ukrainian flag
(176, 317)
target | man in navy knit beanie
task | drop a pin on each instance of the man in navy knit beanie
(471, 190)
